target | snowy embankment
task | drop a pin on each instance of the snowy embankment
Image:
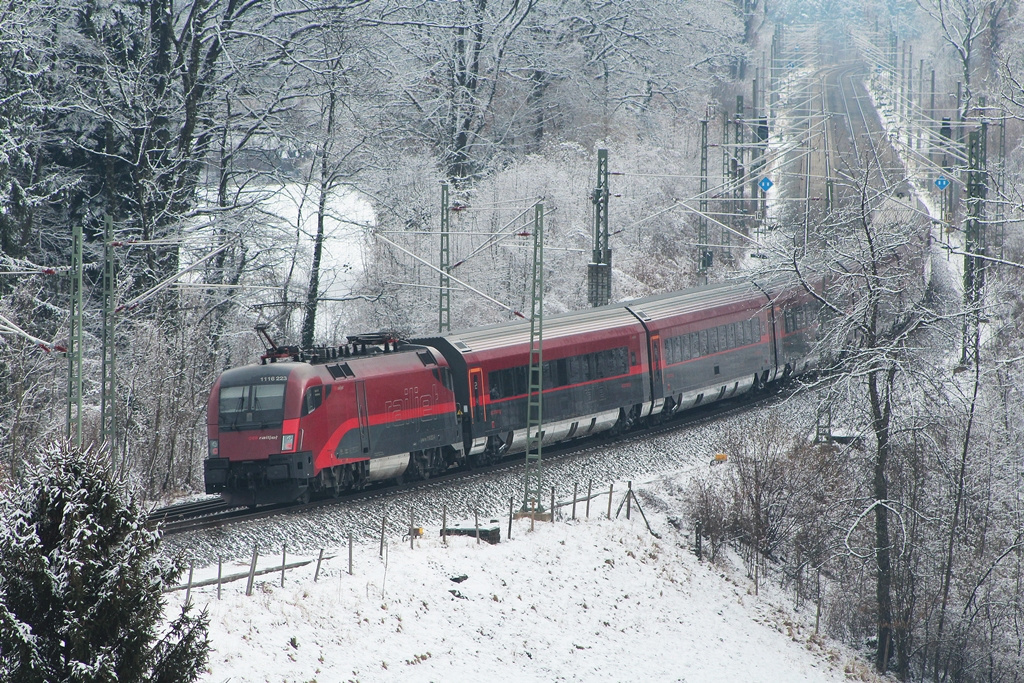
(590, 600)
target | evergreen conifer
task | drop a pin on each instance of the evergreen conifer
(80, 582)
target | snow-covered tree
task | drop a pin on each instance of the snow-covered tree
(80, 582)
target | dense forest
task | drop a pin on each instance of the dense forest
(231, 144)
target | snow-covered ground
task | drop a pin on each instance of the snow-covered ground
(586, 600)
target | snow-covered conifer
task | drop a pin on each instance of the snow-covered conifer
(80, 582)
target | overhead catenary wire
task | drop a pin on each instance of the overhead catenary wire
(167, 282)
(7, 326)
(497, 238)
(451, 277)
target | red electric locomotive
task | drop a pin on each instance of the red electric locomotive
(374, 409)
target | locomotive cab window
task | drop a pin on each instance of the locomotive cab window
(251, 406)
(312, 400)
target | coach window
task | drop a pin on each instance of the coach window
(312, 400)
(713, 340)
(574, 369)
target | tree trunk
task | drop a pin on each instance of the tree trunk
(881, 409)
(957, 505)
(313, 291)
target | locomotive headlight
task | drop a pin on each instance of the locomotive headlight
(214, 448)
(287, 443)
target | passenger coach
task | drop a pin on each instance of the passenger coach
(595, 375)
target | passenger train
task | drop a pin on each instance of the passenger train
(378, 408)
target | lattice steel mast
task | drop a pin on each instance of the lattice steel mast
(599, 272)
(108, 404)
(535, 421)
(75, 341)
(444, 314)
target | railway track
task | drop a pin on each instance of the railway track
(860, 142)
(173, 521)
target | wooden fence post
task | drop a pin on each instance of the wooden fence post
(220, 566)
(444, 524)
(611, 490)
(552, 504)
(252, 568)
(629, 499)
(284, 552)
(188, 591)
(383, 521)
(590, 486)
(350, 553)
(511, 500)
(316, 574)
(575, 490)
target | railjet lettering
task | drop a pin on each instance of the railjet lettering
(411, 401)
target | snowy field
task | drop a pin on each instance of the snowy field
(590, 600)
(584, 600)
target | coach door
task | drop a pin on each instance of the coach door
(476, 388)
(657, 383)
(364, 416)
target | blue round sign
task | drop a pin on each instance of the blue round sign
(941, 182)
(765, 184)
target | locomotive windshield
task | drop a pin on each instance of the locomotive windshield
(251, 406)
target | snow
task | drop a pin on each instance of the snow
(584, 600)
(345, 222)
